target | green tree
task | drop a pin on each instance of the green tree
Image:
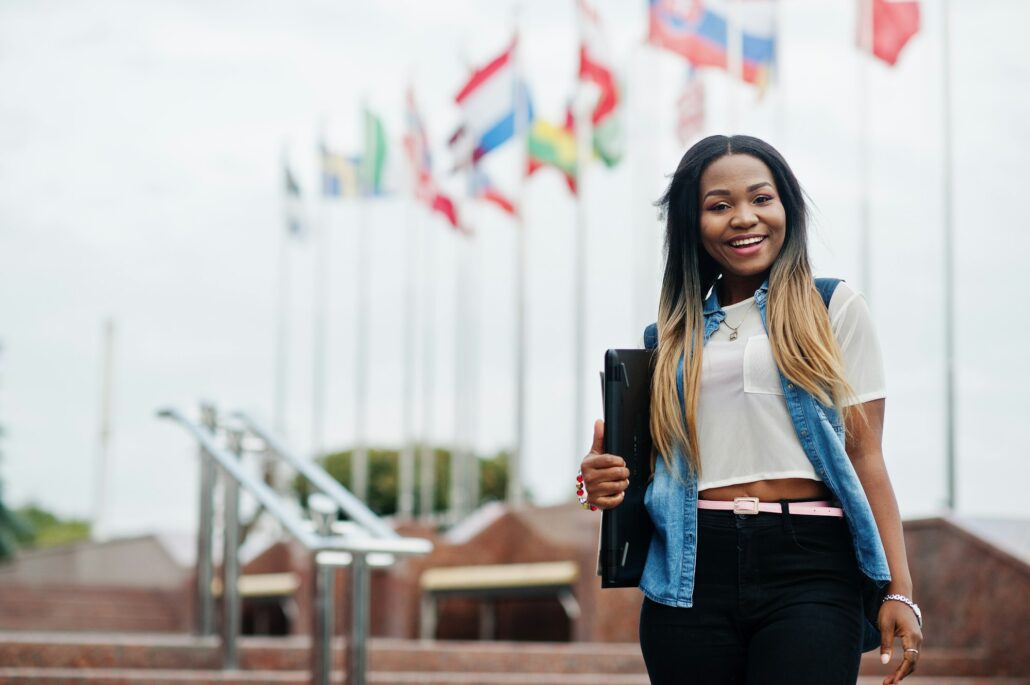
(383, 478)
(49, 530)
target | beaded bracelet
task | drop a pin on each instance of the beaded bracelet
(581, 492)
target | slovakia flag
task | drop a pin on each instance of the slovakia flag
(698, 31)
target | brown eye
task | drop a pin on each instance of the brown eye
(763, 199)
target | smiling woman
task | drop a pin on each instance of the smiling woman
(777, 555)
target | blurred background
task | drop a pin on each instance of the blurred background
(143, 149)
(400, 236)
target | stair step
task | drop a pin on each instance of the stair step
(91, 676)
(189, 657)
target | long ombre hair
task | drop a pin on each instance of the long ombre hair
(803, 344)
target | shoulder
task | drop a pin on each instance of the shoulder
(651, 336)
(844, 298)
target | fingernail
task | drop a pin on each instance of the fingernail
(884, 657)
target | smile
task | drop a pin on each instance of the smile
(744, 242)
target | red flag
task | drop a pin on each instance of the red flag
(894, 22)
(416, 144)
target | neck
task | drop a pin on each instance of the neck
(734, 289)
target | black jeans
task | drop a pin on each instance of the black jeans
(777, 599)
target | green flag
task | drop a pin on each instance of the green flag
(374, 158)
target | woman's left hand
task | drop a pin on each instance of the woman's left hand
(897, 619)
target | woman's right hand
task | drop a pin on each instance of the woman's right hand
(605, 475)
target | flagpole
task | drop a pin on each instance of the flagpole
(427, 458)
(320, 302)
(359, 462)
(864, 247)
(949, 262)
(406, 459)
(282, 329)
(104, 444)
(461, 284)
(734, 61)
(515, 490)
(472, 385)
(584, 151)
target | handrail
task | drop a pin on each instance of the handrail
(372, 536)
(295, 526)
(355, 509)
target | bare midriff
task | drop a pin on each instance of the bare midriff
(770, 490)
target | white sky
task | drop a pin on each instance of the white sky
(139, 178)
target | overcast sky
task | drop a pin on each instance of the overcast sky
(139, 179)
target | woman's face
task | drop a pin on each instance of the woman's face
(743, 222)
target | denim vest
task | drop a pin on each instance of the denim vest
(671, 499)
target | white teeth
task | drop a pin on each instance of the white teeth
(747, 241)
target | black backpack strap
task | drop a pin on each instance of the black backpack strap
(651, 337)
(826, 286)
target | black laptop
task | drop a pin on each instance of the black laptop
(626, 530)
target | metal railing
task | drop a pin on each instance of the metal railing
(369, 543)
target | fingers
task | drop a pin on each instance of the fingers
(911, 640)
(905, 668)
(599, 462)
(605, 476)
(598, 445)
(886, 641)
(906, 627)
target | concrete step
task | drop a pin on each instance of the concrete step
(183, 653)
(66, 676)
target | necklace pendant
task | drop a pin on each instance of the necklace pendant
(733, 335)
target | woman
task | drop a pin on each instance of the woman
(778, 547)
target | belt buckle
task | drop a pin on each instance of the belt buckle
(745, 505)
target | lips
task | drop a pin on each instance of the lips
(746, 241)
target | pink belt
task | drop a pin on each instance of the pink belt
(751, 505)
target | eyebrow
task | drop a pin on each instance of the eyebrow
(750, 188)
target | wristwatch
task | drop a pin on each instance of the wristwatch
(912, 605)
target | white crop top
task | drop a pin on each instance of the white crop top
(744, 430)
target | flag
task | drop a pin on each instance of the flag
(294, 222)
(690, 108)
(416, 145)
(489, 102)
(697, 30)
(374, 158)
(482, 188)
(595, 68)
(894, 22)
(340, 173)
(555, 146)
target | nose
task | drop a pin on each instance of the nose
(743, 217)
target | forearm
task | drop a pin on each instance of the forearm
(872, 473)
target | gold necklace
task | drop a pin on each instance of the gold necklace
(733, 329)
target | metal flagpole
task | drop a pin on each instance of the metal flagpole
(734, 61)
(359, 457)
(282, 329)
(103, 447)
(406, 465)
(515, 490)
(584, 151)
(427, 458)
(461, 285)
(472, 380)
(319, 316)
(864, 247)
(949, 263)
